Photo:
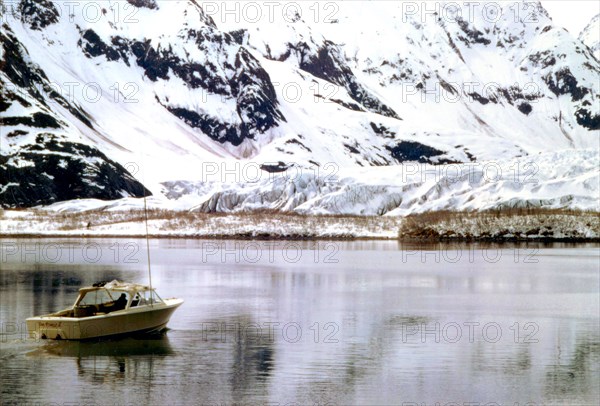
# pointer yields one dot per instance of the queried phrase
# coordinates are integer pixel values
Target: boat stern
(52, 328)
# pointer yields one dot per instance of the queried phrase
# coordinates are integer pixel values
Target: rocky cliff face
(40, 161)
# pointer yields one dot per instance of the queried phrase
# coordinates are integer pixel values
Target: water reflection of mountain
(575, 375)
(234, 361)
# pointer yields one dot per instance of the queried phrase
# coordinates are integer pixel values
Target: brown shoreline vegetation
(255, 225)
(523, 224)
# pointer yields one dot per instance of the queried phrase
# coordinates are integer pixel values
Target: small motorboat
(104, 310)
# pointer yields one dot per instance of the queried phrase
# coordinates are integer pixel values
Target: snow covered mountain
(170, 92)
(44, 159)
(590, 36)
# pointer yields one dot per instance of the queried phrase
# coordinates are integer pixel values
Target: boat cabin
(103, 298)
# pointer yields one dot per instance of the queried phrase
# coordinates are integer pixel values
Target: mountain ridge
(590, 36)
(200, 88)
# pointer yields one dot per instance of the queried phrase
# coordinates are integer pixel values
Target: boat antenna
(146, 224)
(147, 242)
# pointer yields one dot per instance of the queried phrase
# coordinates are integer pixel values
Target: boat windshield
(100, 301)
(145, 298)
(102, 296)
(108, 300)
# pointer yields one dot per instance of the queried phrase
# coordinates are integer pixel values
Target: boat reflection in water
(109, 362)
(157, 344)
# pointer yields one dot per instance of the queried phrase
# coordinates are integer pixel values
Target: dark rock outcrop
(54, 170)
(245, 81)
(328, 64)
(407, 151)
(37, 14)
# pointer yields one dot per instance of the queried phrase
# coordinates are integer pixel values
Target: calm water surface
(327, 323)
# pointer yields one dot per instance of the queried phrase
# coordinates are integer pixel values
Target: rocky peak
(37, 14)
(150, 4)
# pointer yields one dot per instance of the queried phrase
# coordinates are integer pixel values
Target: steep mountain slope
(164, 88)
(41, 160)
(525, 61)
(590, 36)
(525, 85)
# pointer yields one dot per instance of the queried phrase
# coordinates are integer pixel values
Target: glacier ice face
(566, 179)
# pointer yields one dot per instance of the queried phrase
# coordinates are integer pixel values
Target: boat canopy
(118, 286)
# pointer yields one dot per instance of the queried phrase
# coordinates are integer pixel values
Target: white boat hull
(133, 320)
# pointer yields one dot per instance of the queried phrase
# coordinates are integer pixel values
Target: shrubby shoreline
(510, 225)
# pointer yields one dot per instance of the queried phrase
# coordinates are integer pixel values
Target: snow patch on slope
(590, 36)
